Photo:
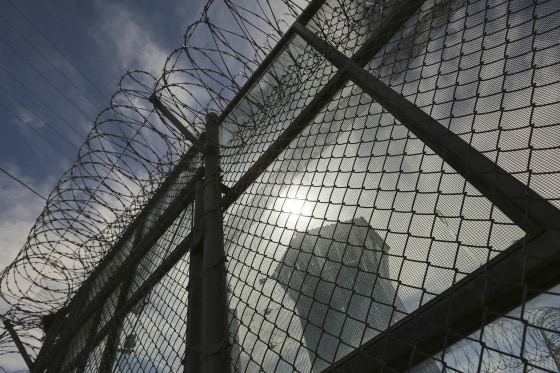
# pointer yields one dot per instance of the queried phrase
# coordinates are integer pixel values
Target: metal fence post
(19, 345)
(214, 300)
(89, 341)
(520, 203)
(194, 310)
(109, 356)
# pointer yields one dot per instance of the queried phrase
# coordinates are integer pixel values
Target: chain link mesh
(350, 243)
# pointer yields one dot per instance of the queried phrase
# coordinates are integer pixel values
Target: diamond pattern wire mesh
(487, 83)
(152, 336)
(94, 358)
(283, 91)
(357, 228)
(392, 183)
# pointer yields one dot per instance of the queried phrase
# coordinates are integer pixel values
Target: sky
(60, 62)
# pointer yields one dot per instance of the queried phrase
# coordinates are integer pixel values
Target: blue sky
(60, 63)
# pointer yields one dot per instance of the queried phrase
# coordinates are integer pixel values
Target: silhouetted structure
(338, 276)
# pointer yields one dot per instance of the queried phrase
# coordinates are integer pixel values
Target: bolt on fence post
(194, 309)
(215, 336)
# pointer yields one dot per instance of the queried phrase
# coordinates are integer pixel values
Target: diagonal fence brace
(158, 105)
(18, 343)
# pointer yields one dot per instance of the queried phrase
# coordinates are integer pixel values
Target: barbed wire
(497, 348)
(129, 152)
(132, 148)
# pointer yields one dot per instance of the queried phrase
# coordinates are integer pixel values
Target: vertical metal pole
(18, 343)
(89, 341)
(214, 302)
(114, 335)
(194, 311)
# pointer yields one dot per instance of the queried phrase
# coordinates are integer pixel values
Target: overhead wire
(57, 89)
(46, 58)
(39, 117)
(127, 155)
(52, 45)
(50, 82)
(23, 183)
(41, 101)
(47, 141)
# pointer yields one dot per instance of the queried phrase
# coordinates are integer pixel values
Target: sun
(293, 205)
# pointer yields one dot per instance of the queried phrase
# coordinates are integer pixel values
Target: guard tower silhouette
(338, 277)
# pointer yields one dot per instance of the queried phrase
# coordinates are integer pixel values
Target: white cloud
(18, 210)
(130, 43)
(27, 119)
(48, 146)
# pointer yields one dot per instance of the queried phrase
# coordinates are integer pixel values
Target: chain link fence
(390, 203)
